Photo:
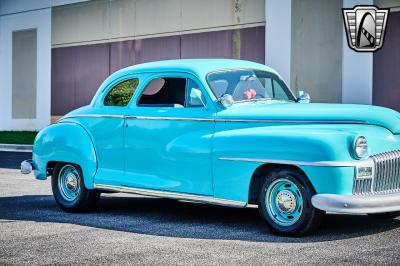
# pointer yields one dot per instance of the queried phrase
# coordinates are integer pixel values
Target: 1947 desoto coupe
(225, 132)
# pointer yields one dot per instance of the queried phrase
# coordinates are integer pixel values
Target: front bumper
(357, 204)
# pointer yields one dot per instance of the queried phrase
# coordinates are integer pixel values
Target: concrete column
(357, 68)
(278, 31)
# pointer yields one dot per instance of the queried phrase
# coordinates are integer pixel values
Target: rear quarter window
(122, 93)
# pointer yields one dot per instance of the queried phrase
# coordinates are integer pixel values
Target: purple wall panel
(252, 46)
(216, 44)
(78, 71)
(62, 80)
(154, 49)
(91, 69)
(122, 54)
(386, 75)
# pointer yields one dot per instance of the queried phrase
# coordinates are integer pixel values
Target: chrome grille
(386, 177)
(362, 186)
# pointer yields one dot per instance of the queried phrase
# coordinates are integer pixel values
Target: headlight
(360, 146)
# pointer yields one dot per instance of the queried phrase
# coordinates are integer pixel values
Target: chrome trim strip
(294, 121)
(171, 118)
(357, 204)
(172, 195)
(93, 115)
(304, 163)
(284, 121)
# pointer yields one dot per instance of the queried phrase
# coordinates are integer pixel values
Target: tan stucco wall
(102, 20)
(316, 54)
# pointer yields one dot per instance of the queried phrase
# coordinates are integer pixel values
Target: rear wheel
(69, 189)
(285, 203)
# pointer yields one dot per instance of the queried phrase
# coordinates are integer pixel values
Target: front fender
(65, 142)
(232, 178)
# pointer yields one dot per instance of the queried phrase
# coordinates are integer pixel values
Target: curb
(16, 147)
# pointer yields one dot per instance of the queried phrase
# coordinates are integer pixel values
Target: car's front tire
(285, 203)
(69, 189)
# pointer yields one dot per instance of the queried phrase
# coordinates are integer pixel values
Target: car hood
(314, 113)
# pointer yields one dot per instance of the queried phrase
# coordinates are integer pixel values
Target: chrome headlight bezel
(360, 147)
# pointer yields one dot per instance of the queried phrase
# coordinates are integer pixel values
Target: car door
(167, 136)
(105, 125)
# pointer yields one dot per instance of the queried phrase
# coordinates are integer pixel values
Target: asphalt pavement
(132, 230)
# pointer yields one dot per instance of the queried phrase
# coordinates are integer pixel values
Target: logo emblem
(365, 27)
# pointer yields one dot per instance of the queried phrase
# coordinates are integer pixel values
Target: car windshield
(249, 85)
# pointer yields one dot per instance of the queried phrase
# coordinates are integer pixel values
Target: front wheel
(69, 189)
(285, 203)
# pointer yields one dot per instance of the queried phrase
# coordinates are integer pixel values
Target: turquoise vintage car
(226, 132)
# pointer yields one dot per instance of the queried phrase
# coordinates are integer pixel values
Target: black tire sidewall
(63, 203)
(305, 222)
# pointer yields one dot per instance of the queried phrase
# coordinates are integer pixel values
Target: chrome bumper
(357, 204)
(26, 167)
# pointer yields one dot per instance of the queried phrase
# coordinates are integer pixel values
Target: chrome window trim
(172, 195)
(303, 163)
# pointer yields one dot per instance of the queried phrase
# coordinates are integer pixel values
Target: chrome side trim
(282, 121)
(93, 115)
(172, 195)
(304, 163)
(171, 118)
(293, 121)
(357, 204)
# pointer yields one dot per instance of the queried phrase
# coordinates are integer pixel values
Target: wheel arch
(261, 171)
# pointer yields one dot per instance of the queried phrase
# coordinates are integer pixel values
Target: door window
(172, 92)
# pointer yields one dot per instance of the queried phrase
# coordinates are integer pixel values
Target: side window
(195, 97)
(122, 93)
(172, 92)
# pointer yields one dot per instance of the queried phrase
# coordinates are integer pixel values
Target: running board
(172, 195)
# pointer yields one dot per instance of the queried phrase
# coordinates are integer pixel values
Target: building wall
(386, 78)
(38, 99)
(316, 49)
(78, 71)
(91, 40)
(357, 68)
(106, 20)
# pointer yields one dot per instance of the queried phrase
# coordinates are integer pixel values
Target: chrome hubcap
(71, 181)
(68, 182)
(286, 201)
(283, 202)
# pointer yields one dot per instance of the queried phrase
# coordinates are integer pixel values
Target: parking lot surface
(135, 230)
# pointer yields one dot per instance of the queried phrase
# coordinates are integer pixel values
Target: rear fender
(65, 142)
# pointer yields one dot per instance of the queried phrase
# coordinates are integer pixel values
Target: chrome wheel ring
(283, 202)
(69, 182)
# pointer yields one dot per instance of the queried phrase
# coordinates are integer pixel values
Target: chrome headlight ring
(360, 147)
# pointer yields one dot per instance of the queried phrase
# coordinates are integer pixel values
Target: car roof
(198, 67)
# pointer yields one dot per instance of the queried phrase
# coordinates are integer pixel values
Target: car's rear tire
(69, 189)
(285, 203)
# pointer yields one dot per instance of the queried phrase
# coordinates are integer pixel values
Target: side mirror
(226, 100)
(196, 97)
(304, 97)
